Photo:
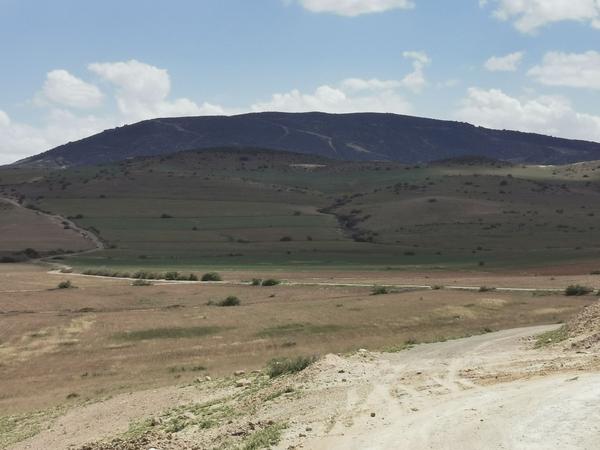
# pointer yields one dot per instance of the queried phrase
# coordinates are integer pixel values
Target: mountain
(359, 136)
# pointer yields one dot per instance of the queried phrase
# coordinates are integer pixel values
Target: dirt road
(430, 398)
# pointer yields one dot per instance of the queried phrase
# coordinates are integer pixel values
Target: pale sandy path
(422, 401)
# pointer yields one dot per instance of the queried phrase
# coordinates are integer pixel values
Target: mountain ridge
(354, 136)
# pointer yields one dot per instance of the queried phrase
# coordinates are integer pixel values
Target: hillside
(252, 207)
(355, 137)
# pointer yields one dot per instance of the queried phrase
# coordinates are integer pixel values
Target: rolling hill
(263, 208)
(354, 137)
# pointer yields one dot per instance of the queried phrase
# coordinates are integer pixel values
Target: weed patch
(281, 366)
(298, 328)
(552, 337)
(166, 333)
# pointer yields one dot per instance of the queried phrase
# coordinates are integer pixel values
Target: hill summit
(355, 137)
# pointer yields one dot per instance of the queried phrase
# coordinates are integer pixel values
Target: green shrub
(256, 281)
(211, 276)
(380, 290)
(65, 285)
(232, 300)
(281, 366)
(486, 289)
(578, 290)
(193, 277)
(264, 438)
(171, 276)
(271, 282)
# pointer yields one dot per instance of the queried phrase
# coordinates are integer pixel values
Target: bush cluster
(578, 290)
(211, 276)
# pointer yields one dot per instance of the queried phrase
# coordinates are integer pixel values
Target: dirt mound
(584, 329)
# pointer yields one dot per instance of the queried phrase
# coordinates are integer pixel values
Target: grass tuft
(265, 438)
(552, 337)
(232, 300)
(380, 290)
(65, 285)
(282, 366)
(298, 328)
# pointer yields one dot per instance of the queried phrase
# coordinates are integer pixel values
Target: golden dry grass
(59, 342)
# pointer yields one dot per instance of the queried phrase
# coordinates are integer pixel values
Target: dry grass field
(104, 336)
(22, 228)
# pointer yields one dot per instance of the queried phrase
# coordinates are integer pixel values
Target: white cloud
(508, 63)
(374, 84)
(352, 8)
(142, 91)
(415, 80)
(530, 15)
(64, 89)
(578, 70)
(544, 114)
(354, 94)
(336, 100)
(4, 119)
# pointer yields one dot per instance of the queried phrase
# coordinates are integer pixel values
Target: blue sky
(71, 68)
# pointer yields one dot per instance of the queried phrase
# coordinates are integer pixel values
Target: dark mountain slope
(360, 136)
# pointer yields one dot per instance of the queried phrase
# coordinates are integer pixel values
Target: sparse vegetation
(410, 343)
(256, 282)
(264, 438)
(578, 290)
(298, 328)
(552, 337)
(65, 285)
(380, 290)
(271, 282)
(283, 366)
(166, 333)
(141, 282)
(232, 300)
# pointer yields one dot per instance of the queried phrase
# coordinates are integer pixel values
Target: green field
(253, 208)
